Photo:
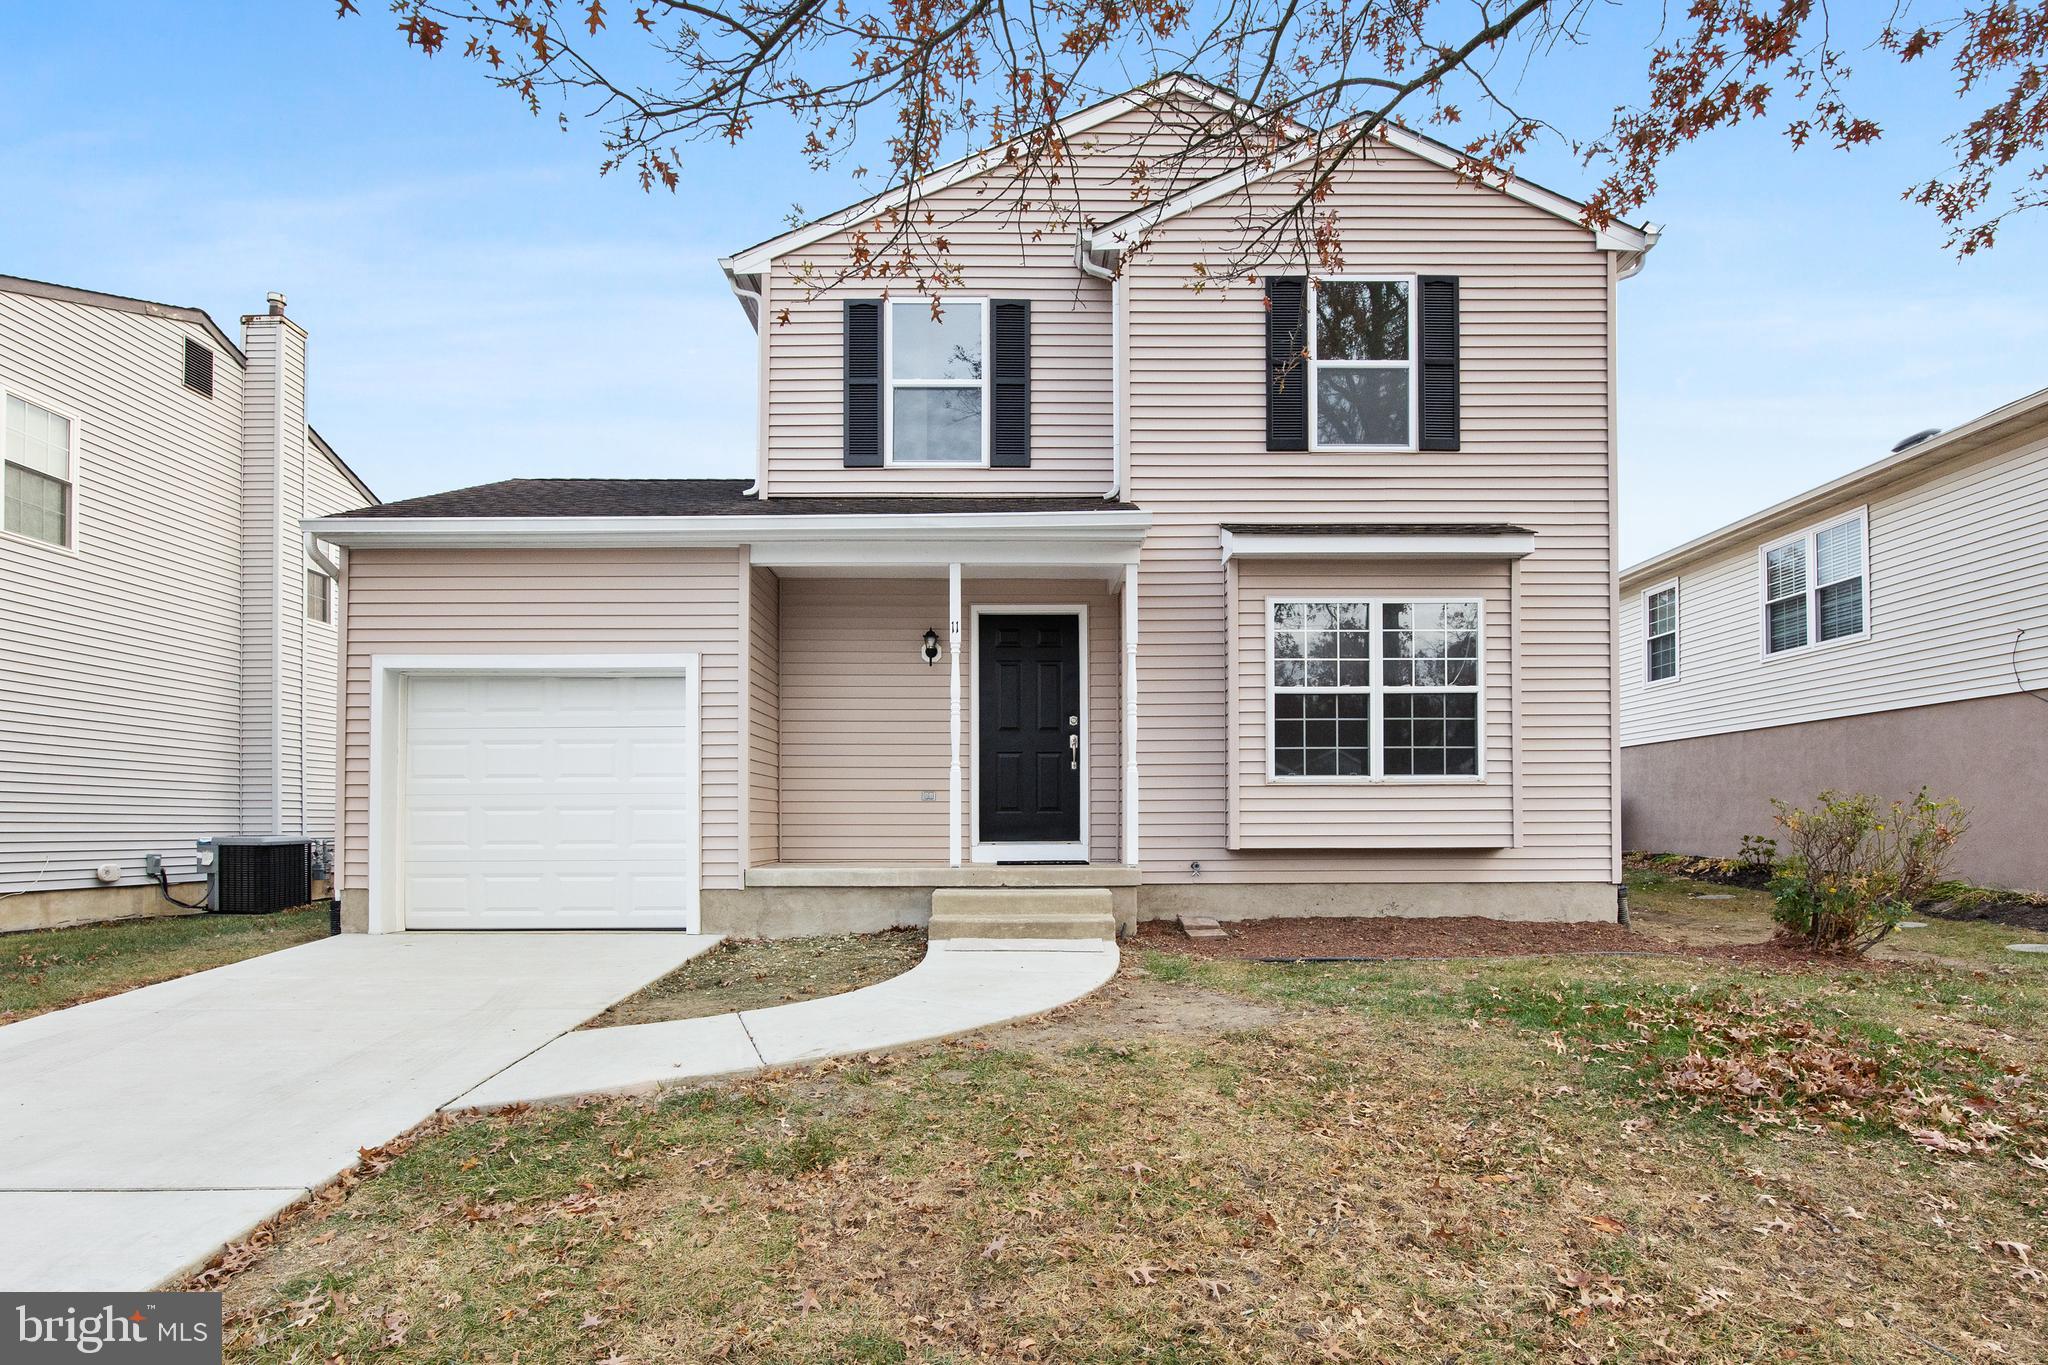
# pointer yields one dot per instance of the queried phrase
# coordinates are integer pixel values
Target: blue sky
(482, 305)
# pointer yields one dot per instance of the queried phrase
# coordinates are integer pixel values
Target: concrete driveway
(140, 1133)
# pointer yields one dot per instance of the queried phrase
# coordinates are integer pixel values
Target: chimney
(274, 473)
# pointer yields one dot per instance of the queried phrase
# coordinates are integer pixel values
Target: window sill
(1479, 781)
(1802, 651)
(17, 538)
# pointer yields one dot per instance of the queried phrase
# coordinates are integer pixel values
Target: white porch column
(953, 812)
(1130, 725)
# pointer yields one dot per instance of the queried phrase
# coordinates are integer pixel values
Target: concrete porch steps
(1039, 912)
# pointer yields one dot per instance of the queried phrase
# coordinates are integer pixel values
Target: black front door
(1028, 737)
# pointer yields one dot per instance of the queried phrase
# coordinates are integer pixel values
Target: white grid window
(1363, 689)
(1362, 359)
(38, 445)
(1814, 587)
(937, 408)
(1660, 619)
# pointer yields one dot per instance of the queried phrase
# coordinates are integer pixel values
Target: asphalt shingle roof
(691, 498)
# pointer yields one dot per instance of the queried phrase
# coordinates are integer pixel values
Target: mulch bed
(2016, 914)
(1455, 936)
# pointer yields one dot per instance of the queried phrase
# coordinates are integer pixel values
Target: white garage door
(539, 801)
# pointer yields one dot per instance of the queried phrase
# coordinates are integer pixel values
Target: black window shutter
(1287, 375)
(1009, 419)
(1439, 405)
(198, 368)
(863, 366)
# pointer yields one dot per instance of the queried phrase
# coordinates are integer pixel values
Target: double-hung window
(1660, 633)
(1362, 689)
(1814, 586)
(937, 408)
(319, 596)
(1362, 358)
(39, 455)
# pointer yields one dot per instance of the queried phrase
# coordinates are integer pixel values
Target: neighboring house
(167, 649)
(1095, 570)
(1882, 633)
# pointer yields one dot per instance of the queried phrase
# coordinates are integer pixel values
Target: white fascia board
(1115, 236)
(871, 531)
(1377, 547)
(757, 258)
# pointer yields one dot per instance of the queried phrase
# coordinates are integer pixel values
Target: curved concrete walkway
(960, 985)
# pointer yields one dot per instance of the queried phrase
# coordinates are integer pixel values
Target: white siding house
(161, 680)
(1884, 632)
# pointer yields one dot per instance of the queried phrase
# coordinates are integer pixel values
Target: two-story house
(1884, 632)
(167, 646)
(1293, 593)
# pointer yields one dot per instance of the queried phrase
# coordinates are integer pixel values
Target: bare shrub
(1855, 865)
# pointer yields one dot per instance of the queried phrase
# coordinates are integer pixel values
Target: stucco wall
(1702, 795)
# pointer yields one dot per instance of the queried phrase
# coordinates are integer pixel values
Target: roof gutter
(991, 527)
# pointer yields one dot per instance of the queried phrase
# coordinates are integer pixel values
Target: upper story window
(936, 409)
(1362, 359)
(1365, 689)
(319, 596)
(40, 449)
(1814, 586)
(1660, 625)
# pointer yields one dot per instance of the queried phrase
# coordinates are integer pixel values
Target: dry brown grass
(1208, 1162)
(752, 974)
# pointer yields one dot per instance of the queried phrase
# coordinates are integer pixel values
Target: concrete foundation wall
(1593, 902)
(1700, 796)
(100, 904)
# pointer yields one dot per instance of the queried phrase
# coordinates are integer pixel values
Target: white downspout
(1089, 266)
(953, 811)
(757, 489)
(1130, 727)
(276, 302)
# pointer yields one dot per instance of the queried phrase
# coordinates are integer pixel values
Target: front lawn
(753, 974)
(47, 969)
(1669, 1157)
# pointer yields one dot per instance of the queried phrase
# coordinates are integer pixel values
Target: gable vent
(198, 368)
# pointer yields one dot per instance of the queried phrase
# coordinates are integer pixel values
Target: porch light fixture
(931, 648)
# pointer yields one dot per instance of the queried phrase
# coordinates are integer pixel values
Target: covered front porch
(921, 716)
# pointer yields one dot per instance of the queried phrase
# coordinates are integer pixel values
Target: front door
(1028, 736)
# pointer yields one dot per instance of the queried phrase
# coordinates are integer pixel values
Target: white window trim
(70, 545)
(327, 595)
(1810, 537)
(1677, 634)
(984, 851)
(1412, 364)
(1376, 689)
(889, 460)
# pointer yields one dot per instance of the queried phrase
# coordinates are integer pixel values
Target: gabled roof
(1123, 232)
(2019, 418)
(755, 258)
(121, 303)
(198, 317)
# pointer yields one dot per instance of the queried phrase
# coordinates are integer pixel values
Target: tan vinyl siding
(1003, 252)
(560, 602)
(764, 708)
(864, 717)
(120, 664)
(1536, 453)
(1955, 569)
(1385, 815)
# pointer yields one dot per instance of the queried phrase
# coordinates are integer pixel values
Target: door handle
(1074, 752)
